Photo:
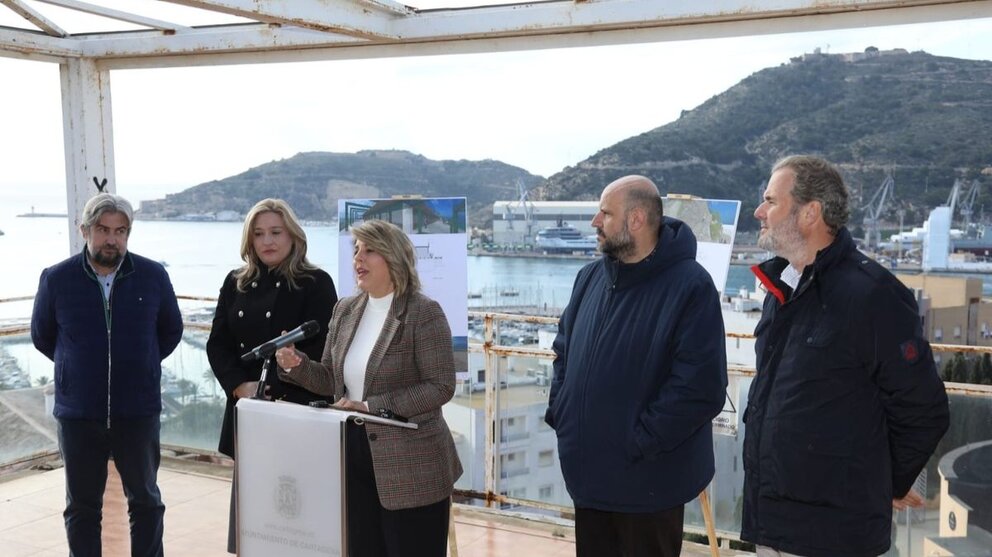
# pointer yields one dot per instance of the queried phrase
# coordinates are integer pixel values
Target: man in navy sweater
(639, 373)
(107, 318)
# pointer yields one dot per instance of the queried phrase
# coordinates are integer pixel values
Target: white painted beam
(87, 129)
(256, 37)
(127, 17)
(35, 17)
(387, 6)
(31, 57)
(339, 16)
(21, 43)
(567, 16)
(539, 25)
(262, 44)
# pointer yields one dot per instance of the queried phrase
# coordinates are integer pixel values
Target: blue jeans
(86, 447)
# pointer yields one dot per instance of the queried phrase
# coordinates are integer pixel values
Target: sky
(539, 110)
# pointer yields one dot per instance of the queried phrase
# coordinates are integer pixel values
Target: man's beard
(108, 260)
(787, 241)
(617, 247)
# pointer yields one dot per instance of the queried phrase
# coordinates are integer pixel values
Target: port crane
(952, 198)
(965, 202)
(968, 203)
(524, 205)
(873, 211)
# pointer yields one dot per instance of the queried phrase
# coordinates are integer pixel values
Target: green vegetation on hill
(926, 119)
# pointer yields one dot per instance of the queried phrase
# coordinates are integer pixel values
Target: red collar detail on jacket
(768, 284)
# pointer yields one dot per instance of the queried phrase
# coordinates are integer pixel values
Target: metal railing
(492, 351)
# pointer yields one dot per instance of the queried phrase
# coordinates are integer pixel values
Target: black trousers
(609, 534)
(374, 531)
(86, 447)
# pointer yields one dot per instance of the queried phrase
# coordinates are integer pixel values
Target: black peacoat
(243, 320)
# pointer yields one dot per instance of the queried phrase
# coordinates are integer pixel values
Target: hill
(312, 183)
(926, 119)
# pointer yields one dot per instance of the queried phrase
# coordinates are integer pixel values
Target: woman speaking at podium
(276, 290)
(388, 351)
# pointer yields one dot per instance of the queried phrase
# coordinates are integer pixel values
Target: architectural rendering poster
(437, 227)
(714, 222)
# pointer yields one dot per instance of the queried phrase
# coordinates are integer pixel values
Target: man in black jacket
(847, 406)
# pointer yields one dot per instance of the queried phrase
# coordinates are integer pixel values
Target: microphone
(269, 348)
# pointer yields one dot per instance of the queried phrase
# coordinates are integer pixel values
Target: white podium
(291, 478)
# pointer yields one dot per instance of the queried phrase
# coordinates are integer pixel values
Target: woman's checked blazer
(411, 372)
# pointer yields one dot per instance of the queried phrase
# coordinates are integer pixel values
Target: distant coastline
(34, 215)
(534, 255)
(208, 217)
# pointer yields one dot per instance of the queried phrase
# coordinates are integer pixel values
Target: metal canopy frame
(273, 31)
(353, 26)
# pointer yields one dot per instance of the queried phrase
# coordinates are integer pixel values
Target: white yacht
(563, 238)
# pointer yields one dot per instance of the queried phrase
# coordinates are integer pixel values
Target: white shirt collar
(791, 276)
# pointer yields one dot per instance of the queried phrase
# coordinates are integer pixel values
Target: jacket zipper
(107, 318)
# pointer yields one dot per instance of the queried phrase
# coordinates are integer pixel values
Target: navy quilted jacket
(77, 328)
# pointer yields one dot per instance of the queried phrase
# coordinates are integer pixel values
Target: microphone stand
(260, 390)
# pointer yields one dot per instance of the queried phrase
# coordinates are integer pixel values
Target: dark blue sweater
(76, 328)
(640, 372)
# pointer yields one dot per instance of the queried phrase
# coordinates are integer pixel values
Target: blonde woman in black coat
(276, 290)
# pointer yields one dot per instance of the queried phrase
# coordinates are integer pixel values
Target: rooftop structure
(222, 32)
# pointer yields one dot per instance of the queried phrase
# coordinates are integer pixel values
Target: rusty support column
(88, 136)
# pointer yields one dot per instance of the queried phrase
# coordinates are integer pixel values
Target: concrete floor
(197, 498)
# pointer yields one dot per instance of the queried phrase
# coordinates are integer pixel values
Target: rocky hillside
(927, 119)
(312, 183)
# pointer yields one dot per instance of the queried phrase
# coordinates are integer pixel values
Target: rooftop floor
(197, 497)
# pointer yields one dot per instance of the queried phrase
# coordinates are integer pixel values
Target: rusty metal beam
(87, 130)
(126, 17)
(19, 43)
(499, 28)
(35, 17)
(387, 6)
(370, 20)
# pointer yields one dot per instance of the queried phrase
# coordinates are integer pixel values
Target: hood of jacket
(676, 243)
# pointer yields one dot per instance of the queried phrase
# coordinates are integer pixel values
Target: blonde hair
(395, 247)
(294, 267)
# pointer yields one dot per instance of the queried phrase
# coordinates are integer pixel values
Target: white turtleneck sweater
(357, 360)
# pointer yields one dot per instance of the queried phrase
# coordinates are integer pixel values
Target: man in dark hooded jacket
(640, 372)
(846, 406)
